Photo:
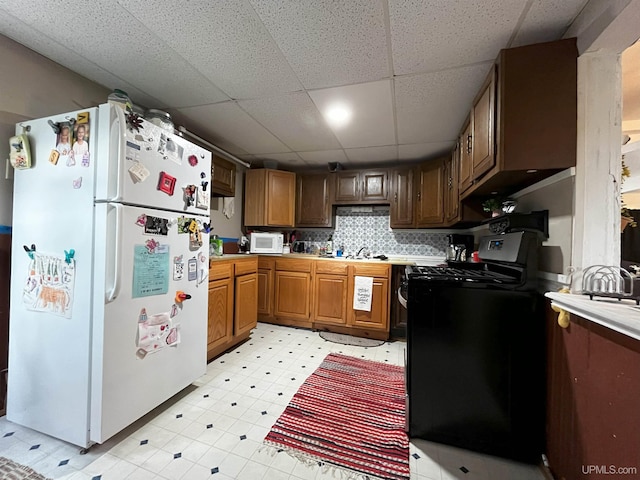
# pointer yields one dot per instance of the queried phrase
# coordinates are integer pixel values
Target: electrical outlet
(8, 170)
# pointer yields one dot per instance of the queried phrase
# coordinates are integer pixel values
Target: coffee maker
(460, 248)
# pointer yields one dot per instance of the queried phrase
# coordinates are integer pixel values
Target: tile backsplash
(355, 230)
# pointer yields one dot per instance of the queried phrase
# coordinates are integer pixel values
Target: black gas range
(508, 260)
(475, 351)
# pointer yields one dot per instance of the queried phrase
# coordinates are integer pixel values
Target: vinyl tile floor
(214, 429)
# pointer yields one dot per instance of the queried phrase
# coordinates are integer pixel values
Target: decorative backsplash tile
(355, 230)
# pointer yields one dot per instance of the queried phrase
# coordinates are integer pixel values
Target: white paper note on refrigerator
(362, 293)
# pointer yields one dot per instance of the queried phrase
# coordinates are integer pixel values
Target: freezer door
(49, 353)
(147, 344)
(148, 166)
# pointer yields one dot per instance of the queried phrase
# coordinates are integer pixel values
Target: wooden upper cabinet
(223, 177)
(313, 200)
(347, 187)
(451, 187)
(375, 185)
(524, 118)
(364, 186)
(465, 171)
(269, 198)
(482, 126)
(402, 195)
(430, 195)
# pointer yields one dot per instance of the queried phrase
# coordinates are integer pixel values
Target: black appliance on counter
(475, 369)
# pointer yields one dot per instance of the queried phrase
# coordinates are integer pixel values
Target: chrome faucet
(366, 254)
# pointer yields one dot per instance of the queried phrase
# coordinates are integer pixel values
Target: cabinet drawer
(330, 266)
(220, 269)
(266, 262)
(244, 266)
(293, 264)
(371, 270)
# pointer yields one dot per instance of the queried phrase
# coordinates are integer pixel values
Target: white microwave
(263, 242)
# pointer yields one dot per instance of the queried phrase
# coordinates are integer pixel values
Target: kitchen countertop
(392, 260)
(623, 316)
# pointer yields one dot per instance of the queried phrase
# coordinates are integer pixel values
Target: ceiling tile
(290, 159)
(294, 119)
(328, 42)
(431, 107)
(226, 40)
(371, 155)
(424, 150)
(323, 157)
(60, 53)
(547, 20)
(107, 35)
(372, 120)
(429, 35)
(226, 123)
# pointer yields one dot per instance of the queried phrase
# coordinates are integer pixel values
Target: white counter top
(623, 316)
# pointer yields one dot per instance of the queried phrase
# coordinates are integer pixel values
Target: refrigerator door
(148, 166)
(49, 353)
(147, 346)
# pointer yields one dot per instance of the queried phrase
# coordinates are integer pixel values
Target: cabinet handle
(418, 196)
(395, 197)
(469, 144)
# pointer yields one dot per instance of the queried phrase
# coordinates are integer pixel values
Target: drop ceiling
(253, 76)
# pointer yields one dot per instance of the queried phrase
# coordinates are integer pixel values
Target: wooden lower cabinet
(233, 303)
(378, 317)
(318, 294)
(220, 330)
(330, 299)
(293, 291)
(246, 306)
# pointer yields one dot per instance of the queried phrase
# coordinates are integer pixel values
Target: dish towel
(362, 292)
(228, 206)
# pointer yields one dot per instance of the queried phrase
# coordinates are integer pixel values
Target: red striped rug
(349, 414)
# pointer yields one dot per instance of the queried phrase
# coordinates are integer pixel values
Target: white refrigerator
(108, 315)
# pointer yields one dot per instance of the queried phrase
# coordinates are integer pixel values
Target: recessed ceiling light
(338, 115)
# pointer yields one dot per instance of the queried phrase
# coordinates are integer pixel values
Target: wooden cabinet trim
(220, 269)
(294, 264)
(244, 266)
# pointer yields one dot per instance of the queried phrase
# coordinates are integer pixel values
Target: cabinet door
(466, 166)
(401, 213)
(223, 177)
(313, 203)
(220, 323)
(292, 298)
(482, 120)
(347, 187)
(378, 317)
(430, 197)
(330, 304)
(452, 200)
(280, 198)
(246, 305)
(265, 292)
(374, 186)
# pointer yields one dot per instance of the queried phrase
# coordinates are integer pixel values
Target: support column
(596, 228)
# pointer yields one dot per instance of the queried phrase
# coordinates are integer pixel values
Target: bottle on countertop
(330, 245)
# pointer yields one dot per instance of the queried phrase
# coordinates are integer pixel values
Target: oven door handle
(401, 299)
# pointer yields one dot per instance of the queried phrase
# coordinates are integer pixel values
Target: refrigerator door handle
(118, 128)
(112, 293)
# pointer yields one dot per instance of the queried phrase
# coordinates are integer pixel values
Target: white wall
(33, 86)
(223, 226)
